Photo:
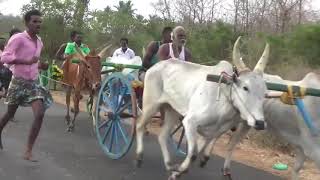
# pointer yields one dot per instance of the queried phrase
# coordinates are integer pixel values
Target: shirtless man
(177, 48)
(151, 57)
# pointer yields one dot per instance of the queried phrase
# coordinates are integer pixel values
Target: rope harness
(51, 79)
(231, 79)
(294, 92)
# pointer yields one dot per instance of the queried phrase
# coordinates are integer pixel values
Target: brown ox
(82, 77)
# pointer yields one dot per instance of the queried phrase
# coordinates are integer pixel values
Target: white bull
(180, 88)
(285, 122)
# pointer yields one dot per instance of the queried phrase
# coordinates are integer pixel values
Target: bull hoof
(173, 168)
(204, 161)
(260, 125)
(139, 160)
(67, 118)
(175, 175)
(138, 163)
(70, 129)
(172, 177)
(147, 132)
(226, 175)
(233, 129)
(193, 158)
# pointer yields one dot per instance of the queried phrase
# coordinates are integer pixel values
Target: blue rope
(306, 116)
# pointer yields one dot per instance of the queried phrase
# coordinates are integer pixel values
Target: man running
(22, 53)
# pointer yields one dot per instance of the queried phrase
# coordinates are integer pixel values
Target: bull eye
(245, 88)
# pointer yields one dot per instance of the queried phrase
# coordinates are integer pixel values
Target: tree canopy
(293, 36)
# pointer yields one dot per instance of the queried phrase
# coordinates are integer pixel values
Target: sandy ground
(246, 152)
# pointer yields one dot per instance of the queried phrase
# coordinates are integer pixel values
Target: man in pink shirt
(22, 55)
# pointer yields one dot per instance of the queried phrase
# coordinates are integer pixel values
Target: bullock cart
(116, 108)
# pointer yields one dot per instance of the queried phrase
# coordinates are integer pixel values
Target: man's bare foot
(13, 120)
(147, 132)
(2, 92)
(28, 156)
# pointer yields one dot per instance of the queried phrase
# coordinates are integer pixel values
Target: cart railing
(117, 67)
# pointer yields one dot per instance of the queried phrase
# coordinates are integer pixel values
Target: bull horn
(236, 56)
(103, 53)
(260, 66)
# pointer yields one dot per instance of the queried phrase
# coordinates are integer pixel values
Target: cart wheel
(178, 140)
(115, 115)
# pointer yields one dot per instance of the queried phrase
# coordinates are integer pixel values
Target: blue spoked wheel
(178, 140)
(115, 115)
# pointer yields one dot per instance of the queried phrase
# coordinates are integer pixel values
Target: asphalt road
(77, 156)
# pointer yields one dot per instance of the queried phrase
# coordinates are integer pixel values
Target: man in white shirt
(124, 51)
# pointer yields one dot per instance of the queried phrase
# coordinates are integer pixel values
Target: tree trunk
(247, 16)
(300, 12)
(236, 4)
(167, 9)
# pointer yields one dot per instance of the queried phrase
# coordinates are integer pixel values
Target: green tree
(53, 8)
(304, 42)
(9, 22)
(79, 13)
(125, 8)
